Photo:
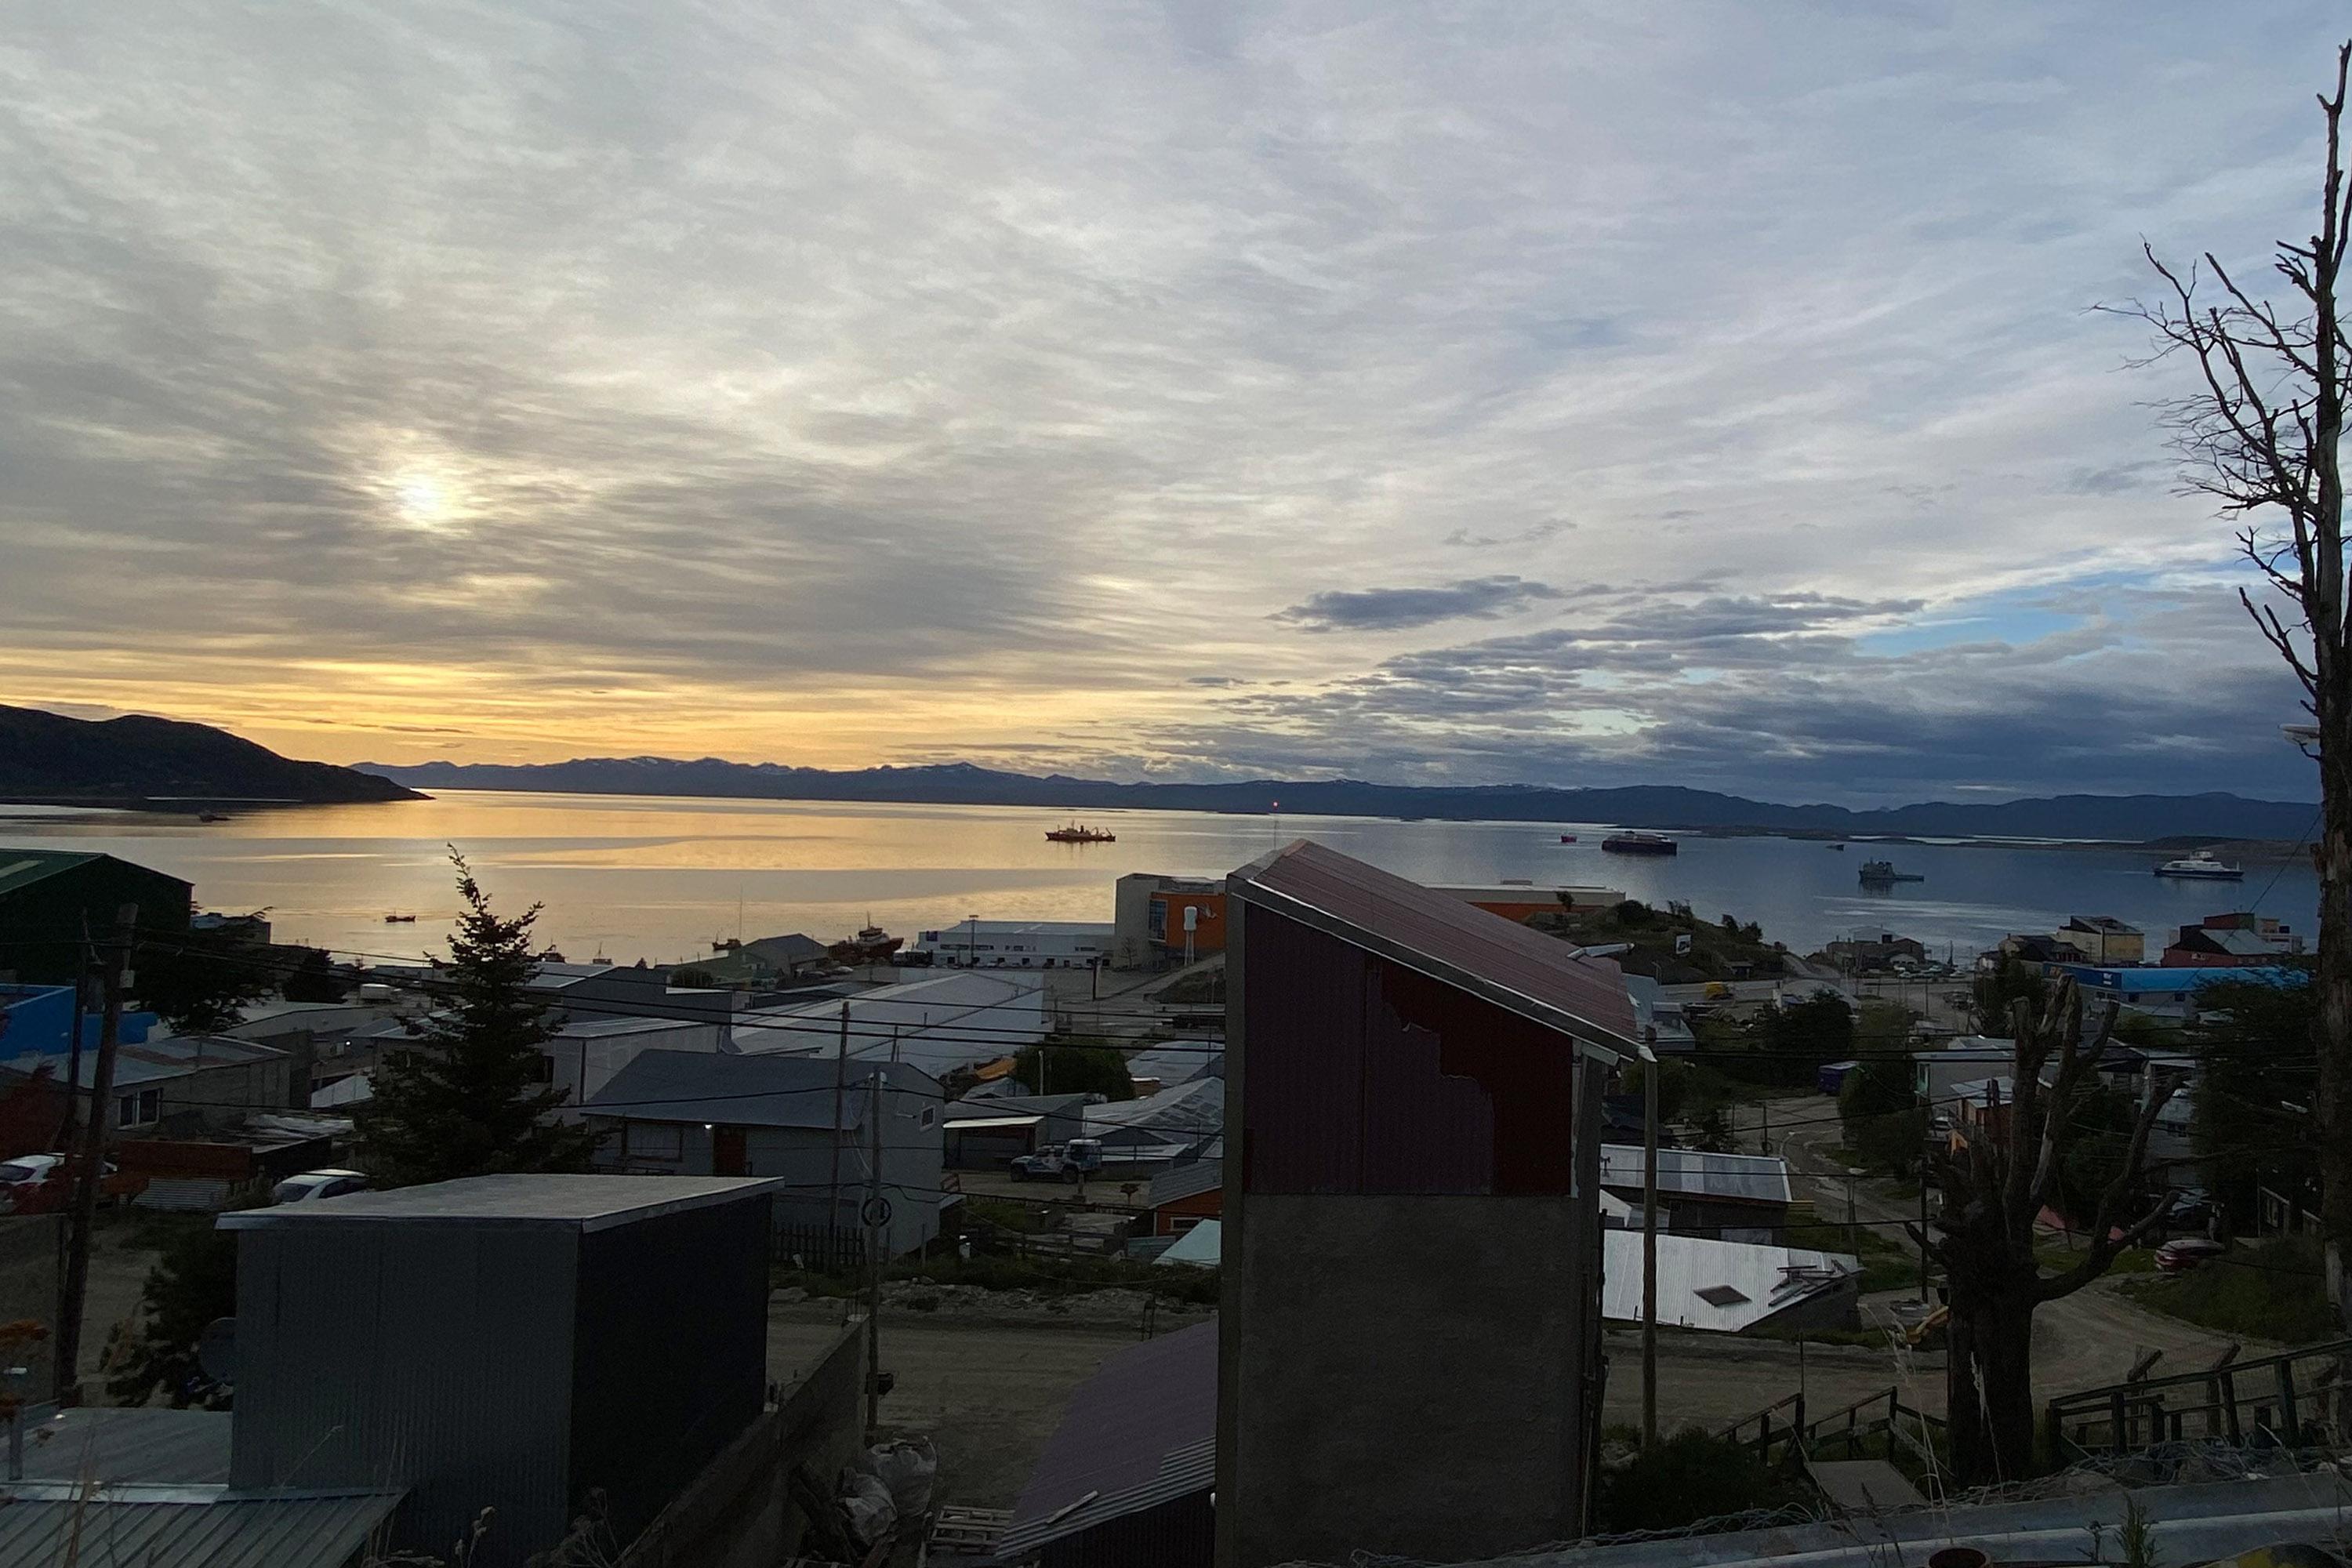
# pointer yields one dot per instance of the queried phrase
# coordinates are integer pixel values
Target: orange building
(1150, 915)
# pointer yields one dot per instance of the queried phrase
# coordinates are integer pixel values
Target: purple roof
(1148, 1402)
(1446, 938)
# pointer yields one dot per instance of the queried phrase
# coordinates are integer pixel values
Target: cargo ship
(1077, 833)
(1882, 874)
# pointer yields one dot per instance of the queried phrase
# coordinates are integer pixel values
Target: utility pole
(876, 1211)
(115, 958)
(1923, 1226)
(1649, 1247)
(832, 1182)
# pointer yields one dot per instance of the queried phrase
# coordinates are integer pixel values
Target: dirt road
(2081, 1341)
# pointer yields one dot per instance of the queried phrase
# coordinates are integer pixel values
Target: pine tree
(469, 1098)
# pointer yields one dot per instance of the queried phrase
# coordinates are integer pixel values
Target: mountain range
(137, 760)
(2127, 818)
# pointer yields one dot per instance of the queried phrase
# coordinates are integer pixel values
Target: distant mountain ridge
(50, 756)
(2127, 818)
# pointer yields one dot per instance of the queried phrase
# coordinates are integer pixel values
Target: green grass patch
(1887, 1264)
(2057, 1256)
(2272, 1291)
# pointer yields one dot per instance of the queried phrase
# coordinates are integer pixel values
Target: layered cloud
(1502, 392)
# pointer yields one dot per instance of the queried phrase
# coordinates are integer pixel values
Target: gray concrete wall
(738, 1513)
(1403, 1377)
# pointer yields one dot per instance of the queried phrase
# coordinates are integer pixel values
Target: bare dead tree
(2260, 435)
(1996, 1180)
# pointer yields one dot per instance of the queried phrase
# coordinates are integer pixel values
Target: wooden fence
(2296, 1399)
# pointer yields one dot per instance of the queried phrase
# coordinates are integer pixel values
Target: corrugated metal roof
(1142, 1431)
(957, 1019)
(1203, 1247)
(230, 1530)
(743, 1092)
(1456, 943)
(1745, 1283)
(1172, 1065)
(23, 867)
(1694, 1173)
(170, 1447)
(163, 1056)
(1186, 1181)
(977, 1105)
(1195, 1107)
(591, 1203)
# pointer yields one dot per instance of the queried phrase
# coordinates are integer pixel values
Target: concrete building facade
(1411, 1306)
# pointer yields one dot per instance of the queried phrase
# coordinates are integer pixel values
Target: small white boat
(2203, 865)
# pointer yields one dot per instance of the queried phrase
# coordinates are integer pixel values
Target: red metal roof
(1446, 938)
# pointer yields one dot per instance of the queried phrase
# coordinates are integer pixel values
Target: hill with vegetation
(137, 760)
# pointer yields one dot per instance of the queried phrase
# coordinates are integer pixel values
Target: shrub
(1691, 1475)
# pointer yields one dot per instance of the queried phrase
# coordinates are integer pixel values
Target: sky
(1549, 393)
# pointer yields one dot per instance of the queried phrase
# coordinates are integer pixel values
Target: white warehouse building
(1019, 944)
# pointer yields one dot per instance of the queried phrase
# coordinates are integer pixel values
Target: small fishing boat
(872, 944)
(1839, 848)
(397, 919)
(212, 816)
(1568, 838)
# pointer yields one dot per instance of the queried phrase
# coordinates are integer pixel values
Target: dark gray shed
(515, 1342)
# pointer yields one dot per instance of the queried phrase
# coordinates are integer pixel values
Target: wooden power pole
(114, 960)
(1649, 1247)
(833, 1182)
(877, 1212)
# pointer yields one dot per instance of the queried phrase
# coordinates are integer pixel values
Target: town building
(1154, 1130)
(1663, 1025)
(807, 1122)
(937, 1023)
(989, 1133)
(1728, 1197)
(1155, 1068)
(180, 1085)
(1186, 1194)
(37, 1020)
(52, 900)
(587, 1051)
(2232, 941)
(1159, 919)
(2168, 992)
(1410, 1227)
(1523, 901)
(1730, 1287)
(1934, 1073)
(1874, 954)
(1016, 944)
(2102, 939)
(518, 1343)
(1125, 1481)
(2033, 951)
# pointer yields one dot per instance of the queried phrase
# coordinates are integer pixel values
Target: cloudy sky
(1551, 392)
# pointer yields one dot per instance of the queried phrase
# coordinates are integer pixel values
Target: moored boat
(1882, 873)
(1079, 833)
(1638, 843)
(2203, 864)
(872, 944)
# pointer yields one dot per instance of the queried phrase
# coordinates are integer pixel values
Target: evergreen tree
(470, 1097)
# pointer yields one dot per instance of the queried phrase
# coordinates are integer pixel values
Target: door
(728, 1156)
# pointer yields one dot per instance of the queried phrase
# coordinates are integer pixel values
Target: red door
(727, 1152)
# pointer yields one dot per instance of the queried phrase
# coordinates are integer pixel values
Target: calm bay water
(660, 877)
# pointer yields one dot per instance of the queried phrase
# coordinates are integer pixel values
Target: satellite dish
(216, 1350)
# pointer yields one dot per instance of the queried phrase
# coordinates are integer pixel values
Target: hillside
(2126, 818)
(47, 756)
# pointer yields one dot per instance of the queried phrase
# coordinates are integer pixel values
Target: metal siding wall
(1365, 1078)
(670, 1352)
(433, 1356)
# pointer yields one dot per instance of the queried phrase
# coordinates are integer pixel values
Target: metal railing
(2295, 1399)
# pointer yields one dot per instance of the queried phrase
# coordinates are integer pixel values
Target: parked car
(1060, 1162)
(313, 1185)
(39, 1184)
(2178, 1256)
(2190, 1206)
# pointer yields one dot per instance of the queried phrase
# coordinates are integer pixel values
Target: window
(544, 1070)
(652, 1140)
(137, 1109)
(929, 1116)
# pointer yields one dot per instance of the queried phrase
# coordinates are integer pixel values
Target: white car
(313, 1185)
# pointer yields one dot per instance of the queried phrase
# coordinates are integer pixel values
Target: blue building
(2165, 992)
(40, 1019)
